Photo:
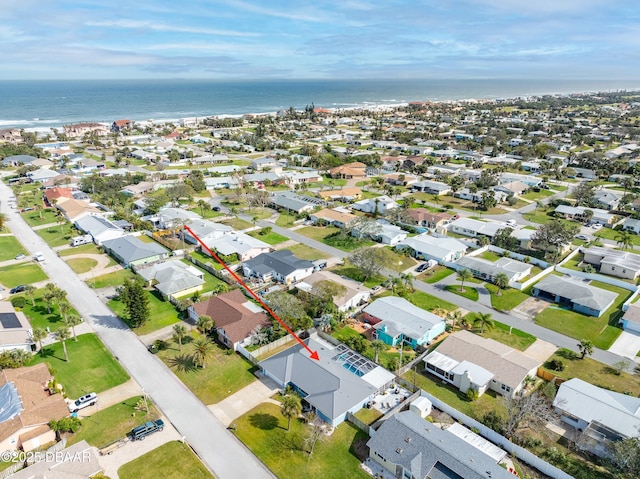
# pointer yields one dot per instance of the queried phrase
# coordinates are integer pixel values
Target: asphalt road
(218, 448)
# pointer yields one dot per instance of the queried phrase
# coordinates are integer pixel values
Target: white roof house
(100, 228)
(473, 228)
(602, 414)
(439, 249)
(245, 246)
(381, 203)
(355, 294)
(483, 269)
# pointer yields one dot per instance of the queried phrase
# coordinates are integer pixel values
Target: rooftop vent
(407, 439)
(399, 450)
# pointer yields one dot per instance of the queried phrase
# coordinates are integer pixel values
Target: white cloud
(161, 27)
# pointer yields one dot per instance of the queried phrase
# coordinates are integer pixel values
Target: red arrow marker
(312, 354)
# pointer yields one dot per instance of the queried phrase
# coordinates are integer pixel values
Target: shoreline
(46, 126)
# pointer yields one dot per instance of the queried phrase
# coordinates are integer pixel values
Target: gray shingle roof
(400, 316)
(577, 291)
(428, 451)
(283, 262)
(130, 248)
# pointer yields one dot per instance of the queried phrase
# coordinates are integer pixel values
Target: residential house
(408, 446)
(431, 187)
(336, 217)
(138, 190)
(469, 361)
(206, 230)
(349, 171)
(281, 265)
(380, 204)
(80, 129)
(121, 125)
(577, 213)
(413, 161)
(424, 217)
(27, 408)
(612, 262)
(488, 270)
(42, 175)
(10, 135)
(396, 321)
(606, 199)
(236, 318)
(474, 228)
(385, 233)
(15, 329)
(18, 160)
(297, 177)
(55, 195)
(631, 224)
(73, 210)
(529, 180)
(131, 252)
(265, 163)
(173, 279)
(429, 247)
(340, 382)
(347, 194)
(603, 416)
(169, 218)
(294, 202)
(630, 321)
(515, 188)
(476, 197)
(100, 228)
(217, 182)
(238, 243)
(575, 292)
(355, 293)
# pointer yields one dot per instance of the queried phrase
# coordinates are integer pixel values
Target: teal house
(395, 321)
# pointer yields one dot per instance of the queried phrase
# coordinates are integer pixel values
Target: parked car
(597, 226)
(83, 402)
(582, 237)
(216, 208)
(39, 257)
(511, 223)
(18, 289)
(422, 267)
(21, 256)
(140, 432)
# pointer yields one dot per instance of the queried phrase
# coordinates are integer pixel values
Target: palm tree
(484, 320)
(464, 275)
(30, 290)
(378, 346)
(205, 323)
(586, 348)
(179, 332)
(455, 317)
(202, 204)
(49, 295)
(38, 208)
(202, 351)
(3, 220)
(624, 239)
(39, 335)
(63, 334)
(72, 321)
(291, 407)
(407, 278)
(64, 306)
(501, 280)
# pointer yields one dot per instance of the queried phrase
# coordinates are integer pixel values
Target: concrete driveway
(244, 400)
(627, 345)
(540, 350)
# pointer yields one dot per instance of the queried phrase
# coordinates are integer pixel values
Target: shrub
(472, 394)
(18, 302)
(587, 268)
(160, 344)
(555, 365)
(265, 231)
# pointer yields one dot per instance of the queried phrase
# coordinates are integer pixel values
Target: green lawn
(37, 312)
(509, 298)
(318, 233)
(16, 274)
(467, 291)
(490, 256)
(398, 262)
(539, 215)
(116, 278)
(224, 375)
(10, 247)
(271, 238)
(161, 313)
(574, 262)
(303, 251)
(538, 195)
(82, 249)
(504, 334)
(437, 273)
(610, 234)
(173, 460)
(211, 283)
(453, 397)
(82, 265)
(113, 423)
(595, 373)
(347, 242)
(34, 218)
(385, 358)
(90, 368)
(237, 224)
(264, 431)
(429, 302)
(58, 235)
(603, 331)
(285, 220)
(354, 273)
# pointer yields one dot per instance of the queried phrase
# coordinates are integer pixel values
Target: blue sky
(244, 39)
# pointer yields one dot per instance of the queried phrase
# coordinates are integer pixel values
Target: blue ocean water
(53, 103)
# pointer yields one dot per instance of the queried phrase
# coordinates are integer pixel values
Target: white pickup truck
(39, 257)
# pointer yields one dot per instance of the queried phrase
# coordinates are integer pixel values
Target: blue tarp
(10, 404)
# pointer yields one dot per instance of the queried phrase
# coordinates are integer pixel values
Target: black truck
(138, 433)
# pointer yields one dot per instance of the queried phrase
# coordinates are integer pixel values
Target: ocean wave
(33, 121)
